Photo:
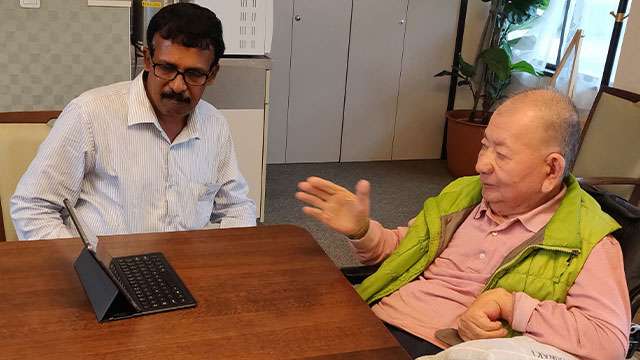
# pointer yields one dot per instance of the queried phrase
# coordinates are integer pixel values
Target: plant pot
(463, 142)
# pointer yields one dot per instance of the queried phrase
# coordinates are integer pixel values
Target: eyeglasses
(169, 72)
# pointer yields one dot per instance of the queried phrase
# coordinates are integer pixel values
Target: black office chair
(626, 214)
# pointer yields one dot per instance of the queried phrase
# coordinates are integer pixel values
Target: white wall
(627, 76)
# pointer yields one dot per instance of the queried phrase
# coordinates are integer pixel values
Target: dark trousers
(414, 345)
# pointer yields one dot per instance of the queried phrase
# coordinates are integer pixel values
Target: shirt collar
(534, 219)
(140, 108)
(141, 112)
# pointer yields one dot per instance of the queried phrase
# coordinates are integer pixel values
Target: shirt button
(494, 233)
(482, 256)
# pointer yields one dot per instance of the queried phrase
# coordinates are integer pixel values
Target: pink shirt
(592, 324)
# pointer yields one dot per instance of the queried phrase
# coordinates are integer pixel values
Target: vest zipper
(525, 252)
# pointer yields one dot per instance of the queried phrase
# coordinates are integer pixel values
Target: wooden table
(263, 293)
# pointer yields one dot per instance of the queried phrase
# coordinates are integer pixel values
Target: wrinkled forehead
(518, 124)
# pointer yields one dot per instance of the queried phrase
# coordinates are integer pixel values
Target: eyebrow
(187, 69)
(498, 144)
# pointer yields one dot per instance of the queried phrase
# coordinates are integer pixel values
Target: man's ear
(147, 59)
(555, 171)
(212, 74)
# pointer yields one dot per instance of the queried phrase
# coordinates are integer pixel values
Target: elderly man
(519, 249)
(144, 155)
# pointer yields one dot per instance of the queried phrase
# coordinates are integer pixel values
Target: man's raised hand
(335, 206)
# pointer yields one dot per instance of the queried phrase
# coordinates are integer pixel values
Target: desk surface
(268, 292)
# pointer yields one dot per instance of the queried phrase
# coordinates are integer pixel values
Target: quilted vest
(544, 266)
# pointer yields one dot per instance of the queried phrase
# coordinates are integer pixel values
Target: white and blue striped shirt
(109, 156)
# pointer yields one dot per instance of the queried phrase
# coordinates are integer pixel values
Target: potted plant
(487, 79)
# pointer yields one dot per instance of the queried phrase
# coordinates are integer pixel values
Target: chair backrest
(20, 136)
(628, 216)
(608, 146)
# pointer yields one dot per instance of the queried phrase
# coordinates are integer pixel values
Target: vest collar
(563, 230)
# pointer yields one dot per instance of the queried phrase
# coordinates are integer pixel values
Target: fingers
(314, 213)
(470, 331)
(310, 199)
(363, 190)
(310, 188)
(325, 185)
(477, 327)
(476, 334)
(484, 323)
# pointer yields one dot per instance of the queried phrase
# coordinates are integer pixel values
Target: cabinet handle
(402, 21)
(297, 17)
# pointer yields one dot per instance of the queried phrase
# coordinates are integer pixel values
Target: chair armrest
(604, 180)
(357, 274)
(28, 116)
(634, 340)
(608, 180)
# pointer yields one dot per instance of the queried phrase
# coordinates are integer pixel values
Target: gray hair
(563, 124)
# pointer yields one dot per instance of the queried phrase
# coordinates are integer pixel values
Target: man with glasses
(145, 155)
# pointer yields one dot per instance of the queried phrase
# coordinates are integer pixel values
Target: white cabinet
(375, 61)
(394, 107)
(247, 24)
(319, 48)
(422, 99)
(240, 91)
(248, 130)
(360, 81)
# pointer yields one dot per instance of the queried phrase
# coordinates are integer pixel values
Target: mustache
(171, 95)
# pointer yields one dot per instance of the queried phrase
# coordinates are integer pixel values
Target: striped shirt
(108, 154)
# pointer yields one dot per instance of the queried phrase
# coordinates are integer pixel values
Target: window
(544, 41)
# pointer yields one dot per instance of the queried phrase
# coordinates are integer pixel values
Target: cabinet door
(247, 129)
(375, 60)
(279, 88)
(319, 50)
(429, 43)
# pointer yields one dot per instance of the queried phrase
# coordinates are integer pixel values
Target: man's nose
(483, 164)
(178, 85)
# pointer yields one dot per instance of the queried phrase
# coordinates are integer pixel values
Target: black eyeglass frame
(178, 72)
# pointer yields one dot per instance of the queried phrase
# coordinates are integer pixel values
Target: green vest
(545, 266)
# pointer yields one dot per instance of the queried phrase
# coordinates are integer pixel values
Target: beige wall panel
(429, 44)
(375, 58)
(319, 50)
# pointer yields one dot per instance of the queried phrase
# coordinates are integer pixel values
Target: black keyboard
(151, 282)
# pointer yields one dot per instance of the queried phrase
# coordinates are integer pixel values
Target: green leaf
(443, 73)
(515, 41)
(495, 91)
(544, 4)
(523, 66)
(498, 61)
(466, 69)
(520, 11)
(507, 48)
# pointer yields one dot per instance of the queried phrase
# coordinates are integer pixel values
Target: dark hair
(189, 25)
